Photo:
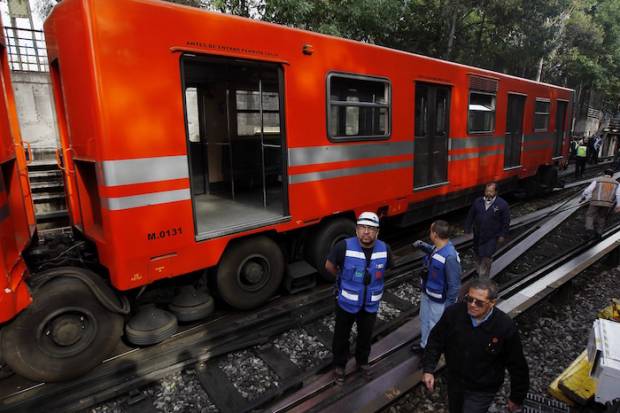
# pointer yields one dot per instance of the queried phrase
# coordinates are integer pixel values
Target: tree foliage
(575, 43)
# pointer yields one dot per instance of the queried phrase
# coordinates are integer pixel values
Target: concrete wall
(35, 108)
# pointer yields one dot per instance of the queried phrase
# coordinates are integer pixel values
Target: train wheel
(325, 237)
(62, 335)
(250, 272)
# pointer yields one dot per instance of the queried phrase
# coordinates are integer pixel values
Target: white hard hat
(368, 218)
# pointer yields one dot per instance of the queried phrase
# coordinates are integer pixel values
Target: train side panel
(16, 210)
(123, 75)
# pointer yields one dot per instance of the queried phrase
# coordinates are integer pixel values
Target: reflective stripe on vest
(353, 294)
(582, 151)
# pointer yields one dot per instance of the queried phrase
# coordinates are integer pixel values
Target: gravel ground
(407, 291)
(304, 350)
(179, 392)
(387, 312)
(554, 333)
(248, 373)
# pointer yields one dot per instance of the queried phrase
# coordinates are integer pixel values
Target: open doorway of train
(236, 146)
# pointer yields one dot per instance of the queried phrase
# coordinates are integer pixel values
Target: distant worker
(603, 193)
(580, 159)
(359, 264)
(441, 280)
(590, 145)
(479, 342)
(596, 146)
(573, 149)
(489, 218)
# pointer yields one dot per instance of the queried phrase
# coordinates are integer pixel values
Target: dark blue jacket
(488, 225)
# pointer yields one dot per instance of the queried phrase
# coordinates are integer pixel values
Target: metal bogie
(65, 333)
(250, 272)
(323, 237)
(191, 304)
(150, 325)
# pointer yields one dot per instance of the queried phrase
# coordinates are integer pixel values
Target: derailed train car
(16, 210)
(201, 143)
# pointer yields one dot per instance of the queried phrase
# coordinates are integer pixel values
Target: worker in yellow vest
(603, 194)
(580, 158)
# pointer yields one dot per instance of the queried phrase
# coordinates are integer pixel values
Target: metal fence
(26, 49)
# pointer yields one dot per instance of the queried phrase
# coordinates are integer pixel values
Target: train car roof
(184, 8)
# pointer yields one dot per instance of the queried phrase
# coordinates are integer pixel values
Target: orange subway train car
(198, 145)
(16, 210)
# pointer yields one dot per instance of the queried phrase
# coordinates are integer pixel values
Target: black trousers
(464, 401)
(342, 331)
(580, 166)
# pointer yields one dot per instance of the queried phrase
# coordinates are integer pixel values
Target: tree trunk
(452, 33)
(540, 68)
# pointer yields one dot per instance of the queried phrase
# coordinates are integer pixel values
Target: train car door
(432, 124)
(236, 145)
(560, 127)
(514, 131)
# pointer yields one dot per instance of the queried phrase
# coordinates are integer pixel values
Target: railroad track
(397, 370)
(204, 346)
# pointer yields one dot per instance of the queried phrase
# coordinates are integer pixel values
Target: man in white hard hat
(359, 264)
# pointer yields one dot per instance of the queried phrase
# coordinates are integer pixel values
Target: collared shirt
(487, 204)
(476, 322)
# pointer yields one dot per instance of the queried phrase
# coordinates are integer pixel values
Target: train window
(249, 112)
(541, 116)
(358, 108)
(481, 112)
(191, 100)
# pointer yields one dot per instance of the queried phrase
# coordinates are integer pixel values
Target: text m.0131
(164, 233)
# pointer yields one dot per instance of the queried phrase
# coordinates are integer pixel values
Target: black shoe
(417, 348)
(339, 375)
(365, 370)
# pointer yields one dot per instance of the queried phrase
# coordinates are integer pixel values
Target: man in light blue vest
(440, 282)
(359, 264)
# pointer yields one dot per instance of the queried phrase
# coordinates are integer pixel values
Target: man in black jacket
(479, 342)
(489, 218)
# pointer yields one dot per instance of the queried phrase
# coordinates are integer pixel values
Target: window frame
(548, 113)
(328, 104)
(481, 92)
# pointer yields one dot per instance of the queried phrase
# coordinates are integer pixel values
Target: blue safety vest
(353, 294)
(435, 285)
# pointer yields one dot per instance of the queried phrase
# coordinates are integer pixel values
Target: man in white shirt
(603, 194)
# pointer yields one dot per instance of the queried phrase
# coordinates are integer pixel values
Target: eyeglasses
(478, 303)
(367, 228)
